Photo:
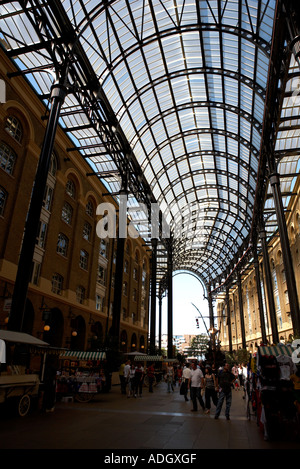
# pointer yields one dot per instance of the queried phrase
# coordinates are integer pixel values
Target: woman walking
(210, 389)
(170, 377)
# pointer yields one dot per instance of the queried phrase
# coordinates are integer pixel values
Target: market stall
(82, 375)
(274, 368)
(147, 360)
(20, 375)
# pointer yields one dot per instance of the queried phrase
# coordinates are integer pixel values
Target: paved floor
(155, 421)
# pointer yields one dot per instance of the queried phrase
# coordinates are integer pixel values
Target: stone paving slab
(155, 421)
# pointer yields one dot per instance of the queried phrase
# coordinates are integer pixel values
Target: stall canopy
(276, 350)
(78, 355)
(21, 338)
(149, 358)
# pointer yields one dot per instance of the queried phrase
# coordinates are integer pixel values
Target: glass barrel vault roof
(186, 81)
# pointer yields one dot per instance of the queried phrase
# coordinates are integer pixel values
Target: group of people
(206, 384)
(131, 379)
(216, 384)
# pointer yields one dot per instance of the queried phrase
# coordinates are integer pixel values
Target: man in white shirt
(186, 374)
(196, 384)
(127, 373)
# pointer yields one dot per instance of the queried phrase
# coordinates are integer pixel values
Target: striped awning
(79, 355)
(276, 350)
(148, 358)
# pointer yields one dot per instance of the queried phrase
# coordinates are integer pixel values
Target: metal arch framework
(166, 100)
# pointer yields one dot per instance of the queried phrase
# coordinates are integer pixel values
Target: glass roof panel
(186, 85)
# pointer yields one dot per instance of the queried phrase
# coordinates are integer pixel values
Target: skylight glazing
(187, 84)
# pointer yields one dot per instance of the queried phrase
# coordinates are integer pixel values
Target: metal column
(170, 303)
(159, 321)
(58, 93)
(153, 295)
(239, 282)
(118, 293)
(259, 296)
(271, 302)
(228, 319)
(286, 253)
(210, 307)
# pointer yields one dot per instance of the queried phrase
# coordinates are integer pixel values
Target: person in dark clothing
(210, 384)
(151, 375)
(139, 379)
(50, 385)
(225, 381)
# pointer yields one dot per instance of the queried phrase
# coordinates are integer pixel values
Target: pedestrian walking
(179, 374)
(150, 373)
(131, 382)
(139, 379)
(196, 383)
(186, 374)
(49, 397)
(241, 381)
(225, 381)
(122, 378)
(210, 389)
(170, 377)
(126, 375)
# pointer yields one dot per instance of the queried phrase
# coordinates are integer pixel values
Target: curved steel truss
(166, 100)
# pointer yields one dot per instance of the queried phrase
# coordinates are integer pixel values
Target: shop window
(7, 158)
(3, 199)
(14, 128)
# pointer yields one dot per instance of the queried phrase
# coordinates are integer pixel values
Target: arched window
(14, 128)
(7, 158)
(62, 245)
